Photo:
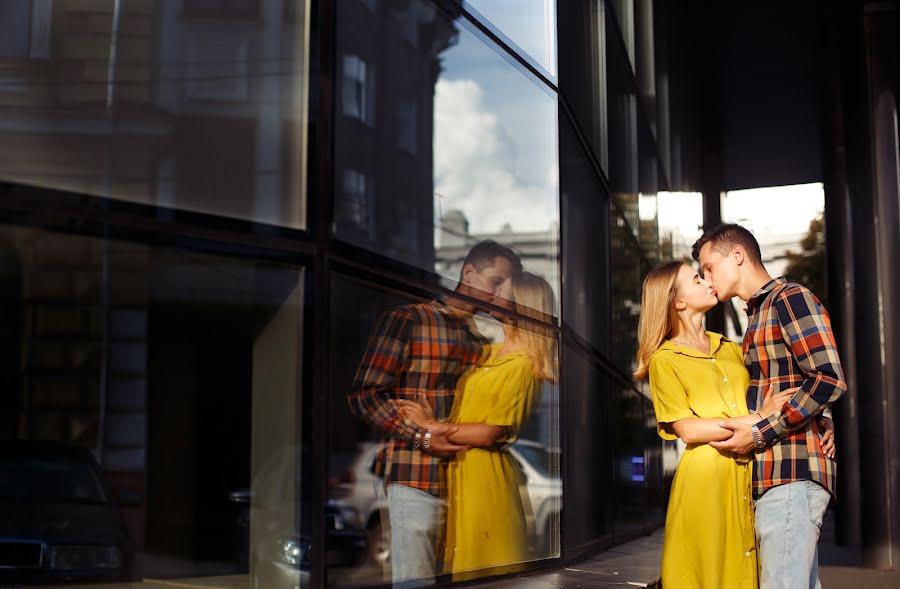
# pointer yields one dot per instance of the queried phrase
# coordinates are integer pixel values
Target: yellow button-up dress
(709, 542)
(486, 524)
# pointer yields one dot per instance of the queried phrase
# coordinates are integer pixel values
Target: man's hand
(741, 440)
(419, 410)
(441, 446)
(775, 401)
(826, 438)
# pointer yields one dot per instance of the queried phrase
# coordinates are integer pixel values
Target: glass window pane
(153, 390)
(15, 22)
(530, 24)
(448, 145)
(587, 401)
(582, 77)
(474, 373)
(626, 267)
(585, 267)
(624, 14)
(151, 105)
(631, 437)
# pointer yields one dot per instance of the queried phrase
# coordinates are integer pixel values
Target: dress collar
(715, 343)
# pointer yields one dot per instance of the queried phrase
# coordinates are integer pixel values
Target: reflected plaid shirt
(789, 343)
(414, 349)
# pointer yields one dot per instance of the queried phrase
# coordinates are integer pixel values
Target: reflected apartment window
(358, 90)
(405, 116)
(408, 24)
(358, 203)
(25, 28)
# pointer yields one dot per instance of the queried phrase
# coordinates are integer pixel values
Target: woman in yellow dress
(697, 378)
(486, 524)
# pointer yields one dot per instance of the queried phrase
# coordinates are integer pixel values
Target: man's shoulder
(412, 309)
(793, 294)
(427, 312)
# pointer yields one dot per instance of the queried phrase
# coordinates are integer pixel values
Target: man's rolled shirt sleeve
(378, 374)
(806, 329)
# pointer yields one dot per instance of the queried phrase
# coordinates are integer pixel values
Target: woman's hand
(826, 437)
(774, 402)
(419, 410)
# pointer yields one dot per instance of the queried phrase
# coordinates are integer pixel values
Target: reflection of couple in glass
(757, 445)
(450, 403)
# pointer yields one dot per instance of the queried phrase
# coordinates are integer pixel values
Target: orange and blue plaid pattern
(789, 343)
(422, 348)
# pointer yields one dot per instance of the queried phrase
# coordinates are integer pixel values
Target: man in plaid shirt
(418, 351)
(789, 343)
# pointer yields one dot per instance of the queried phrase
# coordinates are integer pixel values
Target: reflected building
(388, 62)
(537, 249)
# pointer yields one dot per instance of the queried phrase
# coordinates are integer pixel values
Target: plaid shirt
(414, 349)
(789, 343)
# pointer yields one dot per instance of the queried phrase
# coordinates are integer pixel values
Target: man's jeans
(788, 522)
(417, 521)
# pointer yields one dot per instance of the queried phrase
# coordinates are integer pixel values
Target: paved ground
(635, 564)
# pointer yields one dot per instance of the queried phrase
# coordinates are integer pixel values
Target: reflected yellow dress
(709, 542)
(485, 511)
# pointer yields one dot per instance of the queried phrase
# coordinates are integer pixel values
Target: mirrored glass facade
(323, 293)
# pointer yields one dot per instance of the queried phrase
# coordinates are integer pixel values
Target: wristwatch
(758, 441)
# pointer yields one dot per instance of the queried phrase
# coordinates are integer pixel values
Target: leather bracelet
(426, 440)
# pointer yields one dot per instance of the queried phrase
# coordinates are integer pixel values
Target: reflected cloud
(475, 159)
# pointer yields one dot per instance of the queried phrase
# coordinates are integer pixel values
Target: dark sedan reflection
(56, 520)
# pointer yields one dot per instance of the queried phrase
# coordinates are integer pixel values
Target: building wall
(207, 205)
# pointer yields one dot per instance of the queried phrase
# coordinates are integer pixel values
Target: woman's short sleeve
(515, 399)
(670, 400)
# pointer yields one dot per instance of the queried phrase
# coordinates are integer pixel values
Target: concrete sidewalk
(637, 564)
(858, 578)
(634, 564)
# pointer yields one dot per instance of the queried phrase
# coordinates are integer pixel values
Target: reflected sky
(495, 142)
(530, 24)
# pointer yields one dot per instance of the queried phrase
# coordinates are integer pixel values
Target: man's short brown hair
(726, 236)
(485, 252)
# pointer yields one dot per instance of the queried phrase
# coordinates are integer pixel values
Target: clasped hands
(422, 414)
(741, 440)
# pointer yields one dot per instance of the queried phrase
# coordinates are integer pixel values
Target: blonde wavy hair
(658, 316)
(533, 297)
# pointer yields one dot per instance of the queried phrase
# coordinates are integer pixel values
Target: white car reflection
(363, 494)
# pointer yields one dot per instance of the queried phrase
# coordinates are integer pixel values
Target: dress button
(734, 405)
(726, 379)
(712, 359)
(746, 554)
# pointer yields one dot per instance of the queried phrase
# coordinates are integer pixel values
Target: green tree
(808, 266)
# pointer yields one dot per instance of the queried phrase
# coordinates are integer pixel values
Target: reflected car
(544, 492)
(57, 522)
(362, 494)
(277, 550)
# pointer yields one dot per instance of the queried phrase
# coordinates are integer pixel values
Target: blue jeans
(788, 522)
(417, 521)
